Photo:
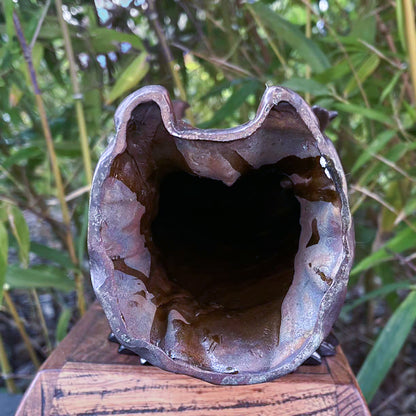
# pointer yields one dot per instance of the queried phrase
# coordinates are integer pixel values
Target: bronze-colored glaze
(222, 254)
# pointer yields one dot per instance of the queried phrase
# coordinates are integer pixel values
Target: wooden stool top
(86, 376)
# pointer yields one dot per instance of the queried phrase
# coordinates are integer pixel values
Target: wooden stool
(86, 376)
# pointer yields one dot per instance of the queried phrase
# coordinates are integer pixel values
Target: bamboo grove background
(65, 67)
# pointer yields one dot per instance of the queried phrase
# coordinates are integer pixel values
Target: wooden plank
(38, 397)
(86, 376)
(350, 400)
(88, 390)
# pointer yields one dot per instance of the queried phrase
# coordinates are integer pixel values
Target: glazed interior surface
(210, 236)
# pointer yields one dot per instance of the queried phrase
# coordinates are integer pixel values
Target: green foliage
(237, 98)
(304, 85)
(58, 257)
(363, 72)
(62, 326)
(106, 40)
(4, 246)
(377, 293)
(387, 347)
(224, 53)
(368, 113)
(378, 144)
(20, 231)
(129, 78)
(404, 240)
(306, 48)
(38, 277)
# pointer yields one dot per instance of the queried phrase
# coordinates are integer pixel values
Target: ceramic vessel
(221, 254)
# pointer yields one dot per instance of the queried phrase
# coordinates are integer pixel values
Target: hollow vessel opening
(229, 246)
(202, 268)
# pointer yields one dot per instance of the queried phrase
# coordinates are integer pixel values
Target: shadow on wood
(86, 376)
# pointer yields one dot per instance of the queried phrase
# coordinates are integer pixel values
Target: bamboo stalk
(172, 64)
(21, 328)
(308, 34)
(343, 50)
(27, 53)
(40, 23)
(82, 127)
(410, 30)
(269, 39)
(394, 61)
(42, 320)
(6, 369)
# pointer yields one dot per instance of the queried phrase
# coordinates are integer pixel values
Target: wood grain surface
(86, 376)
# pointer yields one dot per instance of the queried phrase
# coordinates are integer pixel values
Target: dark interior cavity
(231, 247)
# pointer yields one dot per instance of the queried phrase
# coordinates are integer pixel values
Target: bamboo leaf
(4, 248)
(62, 326)
(400, 26)
(63, 149)
(376, 145)
(218, 88)
(410, 110)
(130, 77)
(82, 240)
(20, 231)
(304, 85)
(365, 112)
(53, 64)
(390, 86)
(51, 30)
(404, 240)
(393, 155)
(234, 102)
(290, 33)
(37, 55)
(363, 72)
(338, 70)
(408, 209)
(105, 40)
(22, 155)
(56, 256)
(364, 27)
(8, 7)
(38, 277)
(382, 291)
(387, 347)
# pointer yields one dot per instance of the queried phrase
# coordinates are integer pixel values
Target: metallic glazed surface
(222, 254)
